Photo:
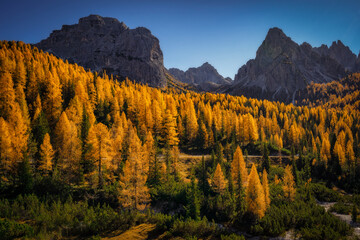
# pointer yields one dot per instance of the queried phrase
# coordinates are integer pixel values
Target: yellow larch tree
(101, 150)
(19, 132)
(350, 155)
(289, 184)
(218, 182)
(250, 129)
(238, 170)
(53, 100)
(7, 94)
(191, 124)
(255, 197)
(169, 134)
(117, 135)
(46, 156)
(149, 151)
(133, 192)
(265, 184)
(157, 117)
(6, 151)
(68, 146)
(325, 153)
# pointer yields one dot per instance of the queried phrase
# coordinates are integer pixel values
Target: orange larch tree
(255, 197)
(238, 170)
(265, 184)
(101, 150)
(218, 182)
(133, 192)
(46, 156)
(289, 184)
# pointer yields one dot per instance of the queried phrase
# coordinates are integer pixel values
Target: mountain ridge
(206, 77)
(282, 67)
(103, 43)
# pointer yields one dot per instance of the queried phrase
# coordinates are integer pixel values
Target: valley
(99, 140)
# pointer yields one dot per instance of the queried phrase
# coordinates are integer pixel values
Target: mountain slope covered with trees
(82, 154)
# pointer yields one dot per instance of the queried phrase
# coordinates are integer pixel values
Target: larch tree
(53, 100)
(157, 117)
(6, 151)
(150, 152)
(101, 149)
(325, 153)
(255, 197)
(191, 124)
(350, 155)
(19, 132)
(289, 184)
(253, 129)
(7, 94)
(133, 192)
(46, 156)
(68, 147)
(339, 152)
(169, 134)
(265, 184)
(218, 182)
(238, 170)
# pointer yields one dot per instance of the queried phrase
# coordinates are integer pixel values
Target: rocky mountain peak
(275, 44)
(282, 67)
(205, 77)
(343, 55)
(103, 43)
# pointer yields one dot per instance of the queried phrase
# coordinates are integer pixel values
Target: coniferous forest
(85, 156)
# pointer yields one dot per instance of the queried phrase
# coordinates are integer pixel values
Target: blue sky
(224, 33)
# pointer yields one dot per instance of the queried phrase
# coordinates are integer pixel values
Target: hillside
(343, 94)
(83, 155)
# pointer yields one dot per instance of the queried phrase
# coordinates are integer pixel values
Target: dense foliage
(90, 151)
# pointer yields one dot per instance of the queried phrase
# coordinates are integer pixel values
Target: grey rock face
(206, 77)
(281, 67)
(341, 53)
(102, 43)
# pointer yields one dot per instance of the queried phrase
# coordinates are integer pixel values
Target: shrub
(10, 229)
(323, 193)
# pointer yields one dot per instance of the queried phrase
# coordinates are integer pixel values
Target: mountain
(205, 77)
(282, 67)
(341, 53)
(102, 43)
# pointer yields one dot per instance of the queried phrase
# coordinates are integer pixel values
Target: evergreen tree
(203, 183)
(25, 176)
(266, 159)
(193, 208)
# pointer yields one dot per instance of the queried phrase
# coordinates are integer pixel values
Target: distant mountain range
(205, 77)
(280, 69)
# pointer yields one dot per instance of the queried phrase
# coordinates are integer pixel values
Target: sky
(224, 33)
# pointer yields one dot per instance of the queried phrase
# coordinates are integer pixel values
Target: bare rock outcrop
(282, 67)
(102, 43)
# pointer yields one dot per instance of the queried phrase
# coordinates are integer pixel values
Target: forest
(83, 155)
